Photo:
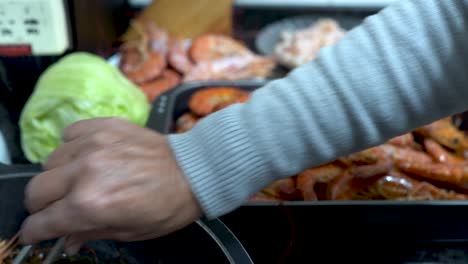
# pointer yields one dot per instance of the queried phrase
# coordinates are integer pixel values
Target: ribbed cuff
(220, 162)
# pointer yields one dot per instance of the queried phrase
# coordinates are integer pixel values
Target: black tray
(202, 242)
(374, 220)
(174, 103)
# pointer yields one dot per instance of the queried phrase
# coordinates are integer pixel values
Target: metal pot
(202, 242)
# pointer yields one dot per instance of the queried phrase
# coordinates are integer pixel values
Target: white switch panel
(40, 24)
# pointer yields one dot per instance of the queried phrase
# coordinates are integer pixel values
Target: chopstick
(24, 253)
(55, 251)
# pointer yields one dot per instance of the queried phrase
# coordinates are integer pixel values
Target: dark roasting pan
(309, 223)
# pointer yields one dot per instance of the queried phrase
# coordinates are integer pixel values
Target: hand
(109, 180)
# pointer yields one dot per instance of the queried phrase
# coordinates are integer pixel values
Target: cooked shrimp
(232, 68)
(406, 140)
(165, 82)
(368, 163)
(146, 71)
(394, 186)
(340, 188)
(178, 55)
(446, 134)
(186, 122)
(262, 197)
(144, 59)
(212, 47)
(300, 47)
(241, 99)
(159, 38)
(452, 174)
(306, 180)
(400, 154)
(441, 155)
(398, 186)
(367, 156)
(207, 101)
(284, 189)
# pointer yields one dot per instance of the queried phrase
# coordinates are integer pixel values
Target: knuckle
(82, 206)
(100, 138)
(118, 122)
(50, 161)
(30, 199)
(112, 121)
(89, 203)
(54, 158)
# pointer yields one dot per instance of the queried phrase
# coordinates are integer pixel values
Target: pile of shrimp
(157, 62)
(296, 48)
(207, 101)
(426, 164)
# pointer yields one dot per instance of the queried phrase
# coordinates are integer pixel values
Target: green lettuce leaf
(79, 86)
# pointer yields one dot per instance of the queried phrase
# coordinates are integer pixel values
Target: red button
(15, 51)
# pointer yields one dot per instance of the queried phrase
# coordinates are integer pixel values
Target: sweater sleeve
(402, 68)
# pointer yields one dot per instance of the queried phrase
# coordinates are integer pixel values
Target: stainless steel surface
(55, 251)
(224, 236)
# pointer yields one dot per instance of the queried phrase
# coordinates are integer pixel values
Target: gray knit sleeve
(400, 69)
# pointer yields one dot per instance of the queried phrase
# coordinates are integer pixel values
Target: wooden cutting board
(189, 18)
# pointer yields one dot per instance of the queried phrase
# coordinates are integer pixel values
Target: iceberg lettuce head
(79, 86)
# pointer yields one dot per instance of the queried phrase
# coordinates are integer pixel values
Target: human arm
(402, 68)
(111, 179)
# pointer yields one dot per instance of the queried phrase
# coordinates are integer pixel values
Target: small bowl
(269, 36)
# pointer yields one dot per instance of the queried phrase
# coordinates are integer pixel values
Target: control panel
(33, 27)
